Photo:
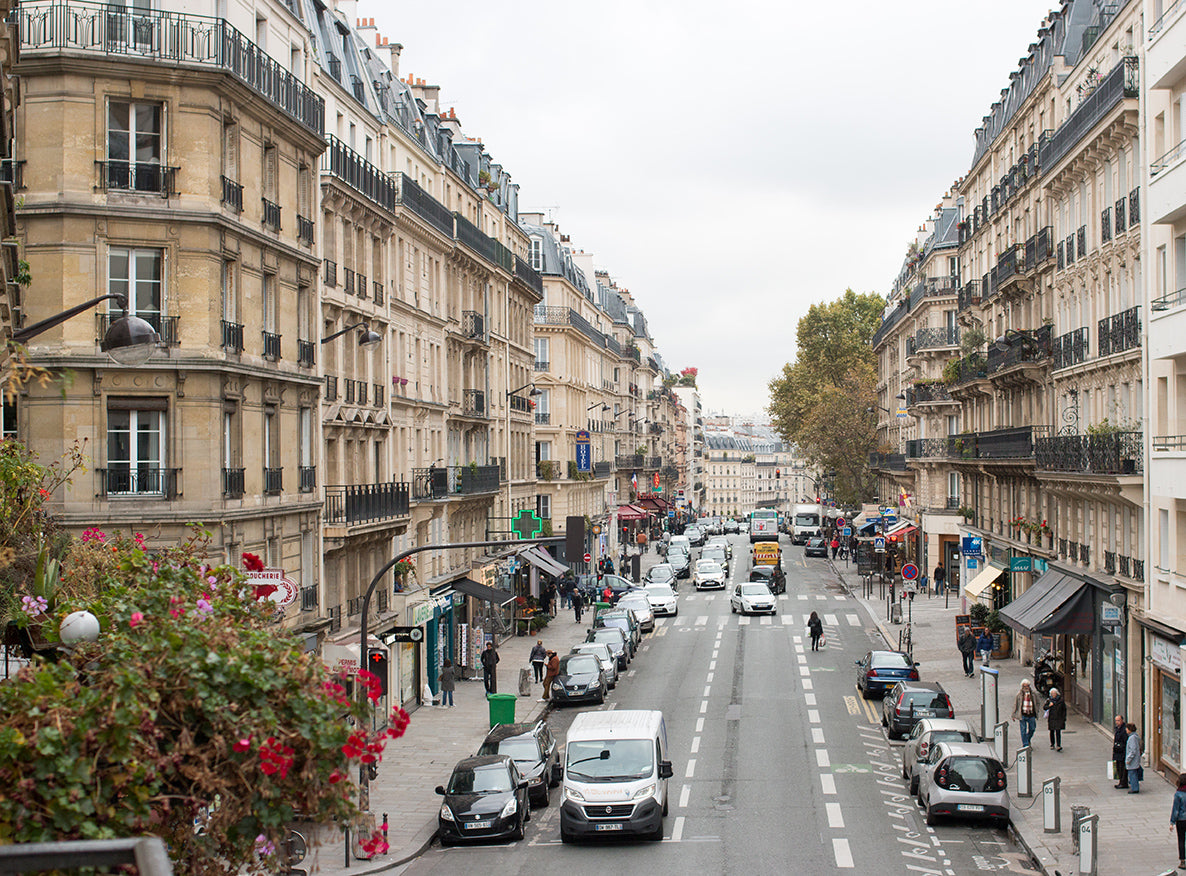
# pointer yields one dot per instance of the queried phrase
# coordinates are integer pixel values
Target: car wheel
(445, 841)
(864, 693)
(884, 720)
(932, 818)
(732, 608)
(665, 804)
(601, 697)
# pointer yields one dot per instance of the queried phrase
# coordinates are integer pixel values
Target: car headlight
(644, 791)
(446, 813)
(573, 794)
(509, 809)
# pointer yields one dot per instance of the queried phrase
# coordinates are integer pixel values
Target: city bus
(763, 525)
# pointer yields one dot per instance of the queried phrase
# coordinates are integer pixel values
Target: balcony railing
(1016, 443)
(12, 172)
(888, 461)
(377, 293)
(529, 276)
(137, 176)
(354, 606)
(331, 388)
(922, 393)
(1106, 225)
(307, 477)
(1120, 332)
(424, 205)
(1081, 241)
(364, 503)
(951, 447)
(304, 230)
(473, 403)
(519, 403)
(441, 482)
(378, 394)
(166, 326)
(306, 354)
(1120, 453)
(271, 214)
(1028, 346)
(309, 598)
(473, 326)
(233, 482)
(348, 281)
(335, 619)
(1070, 349)
(1119, 213)
(1121, 82)
(654, 463)
(331, 273)
(969, 295)
(271, 345)
(232, 194)
(1134, 206)
(543, 418)
(603, 469)
(360, 285)
(273, 481)
(629, 462)
(933, 338)
(142, 480)
(541, 365)
(966, 370)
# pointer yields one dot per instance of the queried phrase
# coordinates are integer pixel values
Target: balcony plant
(965, 512)
(547, 469)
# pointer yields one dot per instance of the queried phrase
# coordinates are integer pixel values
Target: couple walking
(1025, 713)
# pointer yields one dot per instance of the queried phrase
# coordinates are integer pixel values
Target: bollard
(1088, 835)
(1025, 773)
(989, 708)
(1000, 741)
(347, 847)
(1051, 816)
(524, 682)
(384, 827)
(1078, 813)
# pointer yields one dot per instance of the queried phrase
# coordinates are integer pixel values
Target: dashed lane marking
(821, 758)
(835, 817)
(677, 831)
(853, 619)
(827, 784)
(695, 745)
(684, 794)
(691, 768)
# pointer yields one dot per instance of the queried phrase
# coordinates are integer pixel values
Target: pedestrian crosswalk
(709, 596)
(785, 619)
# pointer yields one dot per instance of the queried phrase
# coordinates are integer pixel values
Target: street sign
(526, 524)
(972, 563)
(670, 513)
(847, 531)
(879, 544)
(584, 452)
(972, 546)
(840, 521)
(588, 557)
(910, 571)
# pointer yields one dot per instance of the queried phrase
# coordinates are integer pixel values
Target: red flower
(252, 563)
(242, 744)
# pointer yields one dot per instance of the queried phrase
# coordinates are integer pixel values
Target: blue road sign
(879, 544)
(848, 530)
(671, 512)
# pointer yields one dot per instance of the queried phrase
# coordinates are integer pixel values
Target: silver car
(752, 598)
(641, 606)
(964, 781)
(723, 542)
(716, 553)
(926, 733)
(663, 600)
(708, 574)
(602, 651)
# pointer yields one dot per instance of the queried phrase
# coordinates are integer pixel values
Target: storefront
(1164, 736)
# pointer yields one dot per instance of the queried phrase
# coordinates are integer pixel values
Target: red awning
(658, 503)
(631, 512)
(902, 533)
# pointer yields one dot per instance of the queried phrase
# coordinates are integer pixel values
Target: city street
(776, 758)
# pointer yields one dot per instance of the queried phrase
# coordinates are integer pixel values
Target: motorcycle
(1047, 673)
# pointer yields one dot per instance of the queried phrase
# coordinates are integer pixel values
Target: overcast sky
(730, 163)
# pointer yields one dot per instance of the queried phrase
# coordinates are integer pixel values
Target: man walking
(1025, 712)
(940, 579)
(1119, 751)
(578, 602)
(489, 670)
(1132, 759)
(967, 647)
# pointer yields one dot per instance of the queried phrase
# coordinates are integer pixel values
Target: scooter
(1047, 673)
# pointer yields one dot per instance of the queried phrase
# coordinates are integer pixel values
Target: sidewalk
(424, 757)
(1133, 835)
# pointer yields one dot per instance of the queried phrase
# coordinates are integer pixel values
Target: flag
(634, 481)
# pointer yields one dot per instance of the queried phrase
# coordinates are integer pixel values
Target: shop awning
(631, 512)
(982, 581)
(543, 561)
(481, 591)
(901, 532)
(659, 503)
(1056, 604)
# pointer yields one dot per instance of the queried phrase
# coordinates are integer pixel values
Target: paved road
(779, 766)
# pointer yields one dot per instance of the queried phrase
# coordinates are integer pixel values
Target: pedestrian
(1025, 712)
(489, 668)
(1119, 744)
(940, 579)
(552, 674)
(642, 542)
(1178, 819)
(448, 683)
(835, 546)
(815, 627)
(984, 645)
(607, 595)
(551, 591)
(967, 647)
(1055, 711)
(578, 603)
(538, 658)
(1132, 760)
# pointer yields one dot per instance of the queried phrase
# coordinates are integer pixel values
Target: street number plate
(608, 827)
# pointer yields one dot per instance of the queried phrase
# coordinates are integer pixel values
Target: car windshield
(807, 520)
(889, 660)
(492, 779)
(754, 590)
(518, 748)
(970, 773)
(661, 573)
(661, 591)
(713, 553)
(579, 664)
(611, 760)
(638, 603)
(609, 635)
(708, 567)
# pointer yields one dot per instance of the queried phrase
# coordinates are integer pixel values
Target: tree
(820, 401)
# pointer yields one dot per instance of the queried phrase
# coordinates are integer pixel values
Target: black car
(617, 640)
(681, 561)
(661, 573)
(772, 576)
(486, 798)
(817, 546)
(534, 750)
(908, 702)
(625, 620)
(581, 679)
(878, 671)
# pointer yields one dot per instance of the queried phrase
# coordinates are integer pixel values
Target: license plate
(478, 825)
(925, 713)
(969, 807)
(607, 827)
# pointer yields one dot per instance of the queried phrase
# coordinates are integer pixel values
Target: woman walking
(816, 628)
(1056, 717)
(538, 658)
(1178, 819)
(448, 679)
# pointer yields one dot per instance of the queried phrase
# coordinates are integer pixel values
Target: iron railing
(137, 176)
(307, 478)
(888, 461)
(519, 403)
(1119, 213)
(1119, 453)
(1081, 241)
(933, 338)
(1169, 442)
(232, 194)
(363, 503)
(331, 388)
(951, 447)
(341, 161)
(141, 480)
(1121, 82)
(1134, 206)
(969, 295)
(166, 327)
(629, 461)
(1070, 349)
(306, 354)
(1027, 346)
(474, 403)
(309, 598)
(921, 393)
(1110, 562)
(331, 273)
(424, 205)
(354, 606)
(378, 394)
(234, 482)
(541, 365)
(443, 481)
(360, 285)
(335, 619)
(271, 345)
(273, 480)
(469, 234)
(1106, 225)
(377, 293)
(965, 370)
(1120, 332)
(348, 281)
(603, 469)
(528, 276)
(304, 229)
(1014, 443)
(271, 216)
(543, 418)
(12, 172)
(1168, 159)
(473, 325)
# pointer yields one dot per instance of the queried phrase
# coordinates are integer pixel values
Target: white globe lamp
(79, 626)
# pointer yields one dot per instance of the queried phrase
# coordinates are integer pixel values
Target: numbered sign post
(1088, 834)
(1051, 818)
(1025, 773)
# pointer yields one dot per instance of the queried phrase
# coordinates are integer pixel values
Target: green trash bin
(599, 607)
(502, 708)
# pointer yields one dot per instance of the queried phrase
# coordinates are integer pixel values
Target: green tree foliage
(820, 401)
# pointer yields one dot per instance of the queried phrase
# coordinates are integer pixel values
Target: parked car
(964, 780)
(716, 553)
(816, 546)
(772, 576)
(695, 535)
(637, 602)
(908, 702)
(605, 654)
(680, 559)
(928, 732)
(723, 542)
(617, 585)
(533, 749)
(753, 598)
(731, 526)
(660, 573)
(709, 575)
(878, 671)
(486, 798)
(581, 679)
(617, 641)
(626, 621)
(663, 600)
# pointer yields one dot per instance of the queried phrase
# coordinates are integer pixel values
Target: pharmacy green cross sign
(526, 524)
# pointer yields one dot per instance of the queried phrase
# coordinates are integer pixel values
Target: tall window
(230, 150)
(543, 506)
(137, 274)
(271, 439)
(135, 446)
(537, 254)
(230, 437)
(134, 146)
(271, 169)
(8, 430)
(541, 351)
(306, 436)
(269, 302)
(230, 301)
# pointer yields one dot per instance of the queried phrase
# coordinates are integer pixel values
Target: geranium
(135, 620)
(243, 744)
(34, 605)
(94, 534)
(252, 563)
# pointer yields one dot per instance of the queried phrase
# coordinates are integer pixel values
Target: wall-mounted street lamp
(534, 391)
(366, 338)
(869, 410)
(129, 340)
(604, 407)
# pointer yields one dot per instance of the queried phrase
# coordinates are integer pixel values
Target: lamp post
(129, 340)
(366, 338)
(364, 785)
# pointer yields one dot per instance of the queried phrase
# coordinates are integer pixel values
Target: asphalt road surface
(780, 767)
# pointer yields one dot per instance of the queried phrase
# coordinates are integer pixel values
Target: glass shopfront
(1165, 744)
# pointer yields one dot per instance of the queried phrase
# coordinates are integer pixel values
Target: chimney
(365, 27)
(395, 49)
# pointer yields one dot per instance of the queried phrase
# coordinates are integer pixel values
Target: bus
(763, 525)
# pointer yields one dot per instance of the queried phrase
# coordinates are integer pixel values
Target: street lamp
(604, 407)
(129, 340)
(366, 338)
(534, 392)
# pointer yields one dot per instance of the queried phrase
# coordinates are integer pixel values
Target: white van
(615, 775)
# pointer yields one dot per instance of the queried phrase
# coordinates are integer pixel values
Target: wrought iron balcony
(232, 194)
(360, 285)
(378, 393)
(331, 273)
(603, 469)
(1123, 81)
(166, 326)
(348, 281)
(271, 345)
(139, 481)
(1027, 346)
(377, 293)
(933, 338)
(354, 606)
(306, 354)
(137, 176)
(273, 481)
(1119, 213)
(966, 370)
(473, 326)
(969, 295)
(1070, 349)
(307, 476)
(309, 598)
(335, 619)
(12, 172)
(543, 418)
(1081, 241)
(1117, 453)
(271, 214)
(541, 365)
(233, 482)
(366, 503)
(473, 403)
(424, 205)
(654, 463)
(442, 482)
(1134, 206)
(528, 276)
(923, 393)
(331, 388)
(1015, 443)
(887, 461)
(951, 447)
(1007, 264)
(629, 462)
(1106, 225)
(519, 403)
(304, 230)
(1120, 332)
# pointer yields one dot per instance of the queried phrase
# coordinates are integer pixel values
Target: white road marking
(821, 758)
(743, 620)
(684, 794)
(809, 699)
(820, 596)
(787, 620)
(797, 639)
(817, 735)
(802, 658)
(699, 725)
(691, 769)
(830, 620)
(803, 596)
(843, 854)
(813, 716)
(703, 707)
(766, 620)
(630, 673)
(708, 678)
(854, 620)
(835, 818)
(681, 621)
(712, 664)
(707, 690)
(827, 783)
(805, 670)
(714, 654)
(808, 684)
(677, 831)
(702, 620)
(695, 744)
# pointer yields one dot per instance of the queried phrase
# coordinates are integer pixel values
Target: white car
(717, 554)
(723, 542)
(640, 604)
(663, 600)
(605, 657)
(708, 574)
(753, 598)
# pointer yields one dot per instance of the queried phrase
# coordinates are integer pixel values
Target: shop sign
(1021, 564)
(421, 612)
(1165, 654)
(1110, 614)
(972, 546)
(488, 575)
(287, 590)
(340, 658)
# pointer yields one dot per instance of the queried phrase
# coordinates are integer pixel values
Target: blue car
(878, 671)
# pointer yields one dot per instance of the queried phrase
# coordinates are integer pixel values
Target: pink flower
(135, 620)
(242, 744)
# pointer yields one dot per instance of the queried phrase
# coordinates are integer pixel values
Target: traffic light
(777, 474)
(377, 664)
